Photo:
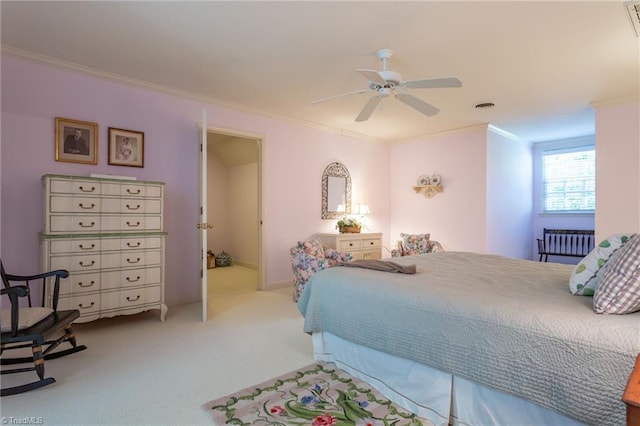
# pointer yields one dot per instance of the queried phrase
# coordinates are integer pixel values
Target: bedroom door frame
(259, 139)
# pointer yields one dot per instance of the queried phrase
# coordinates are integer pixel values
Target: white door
(203, 227)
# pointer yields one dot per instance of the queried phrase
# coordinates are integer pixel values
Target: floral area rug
(318, 395)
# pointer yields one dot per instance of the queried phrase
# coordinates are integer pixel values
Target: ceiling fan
(385, 83)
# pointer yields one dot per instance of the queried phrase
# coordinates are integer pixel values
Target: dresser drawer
(371, 254)
(134, 190)
(78, 283)
(76, 263)
(348, 245)
(130, 259)
(371, 243)
(74, 186)
(86, 303)
(131, 298)
(66, 204)
(75, 223)
(131, 206)
(355, 255)
(66, 245)
(82, 283)
(131, 277)
(133, 243)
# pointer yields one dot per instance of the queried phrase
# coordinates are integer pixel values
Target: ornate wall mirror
(336, 191)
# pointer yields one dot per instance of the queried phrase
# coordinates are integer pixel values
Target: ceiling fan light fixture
(633, 9)
(384, 83)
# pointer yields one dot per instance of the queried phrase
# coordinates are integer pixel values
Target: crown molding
(617, 101)
(118, 78)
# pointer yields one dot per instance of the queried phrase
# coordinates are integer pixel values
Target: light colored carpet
(140, 371)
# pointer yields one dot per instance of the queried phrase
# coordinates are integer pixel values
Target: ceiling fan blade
(417, 104)
(354, 92)
(433, 83)
(372, 76)
(368, 108)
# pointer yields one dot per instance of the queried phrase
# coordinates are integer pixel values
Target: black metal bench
(565, 242)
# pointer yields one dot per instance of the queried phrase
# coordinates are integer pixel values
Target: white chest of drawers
(361, 246)
(108, 234)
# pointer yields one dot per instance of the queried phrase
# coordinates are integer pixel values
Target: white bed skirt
(432, 394)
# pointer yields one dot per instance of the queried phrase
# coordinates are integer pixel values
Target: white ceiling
(541, 63)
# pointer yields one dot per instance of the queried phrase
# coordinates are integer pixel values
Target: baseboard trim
(279, 284)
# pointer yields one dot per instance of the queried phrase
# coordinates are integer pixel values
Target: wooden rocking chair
(34, 327)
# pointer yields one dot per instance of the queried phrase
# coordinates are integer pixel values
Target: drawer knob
(81, 306)
(82, 206)
(129, 299)
(129, 191)
(82, 247)
(133, 261)
(83, 189)
(133, 246)
(81, 284)
(81, 263)
(133, 208)
(133, 224)
(91, 225)
(350, 244)
(133, 281)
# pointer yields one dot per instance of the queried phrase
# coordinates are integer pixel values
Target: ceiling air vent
(633, 8)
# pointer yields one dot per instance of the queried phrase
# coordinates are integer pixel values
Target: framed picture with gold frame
(76, 141)
(126, 147)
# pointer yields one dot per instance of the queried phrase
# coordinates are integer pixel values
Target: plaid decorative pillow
(619, 288)
(415, 244)
(586, 275)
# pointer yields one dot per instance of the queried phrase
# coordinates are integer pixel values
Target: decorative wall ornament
(429, 185)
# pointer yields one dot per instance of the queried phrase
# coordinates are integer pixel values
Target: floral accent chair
(411, 244)
(309, 257)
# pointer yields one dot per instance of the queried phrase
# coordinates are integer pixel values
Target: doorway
(234, 210)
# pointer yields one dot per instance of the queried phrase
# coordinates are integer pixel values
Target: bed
(475, 339)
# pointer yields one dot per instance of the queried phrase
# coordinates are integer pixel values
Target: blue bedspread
(505, 323)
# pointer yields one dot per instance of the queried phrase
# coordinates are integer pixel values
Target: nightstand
(631, 396)
(360, 245)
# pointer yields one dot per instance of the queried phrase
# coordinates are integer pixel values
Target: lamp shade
(362, 209)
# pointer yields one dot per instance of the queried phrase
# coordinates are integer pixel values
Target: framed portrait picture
(126, 147)
(76, 141)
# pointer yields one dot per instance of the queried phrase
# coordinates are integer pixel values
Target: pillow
(585, 276)
(26, 317)
(312, 247)
(414, 244)
(619, 288)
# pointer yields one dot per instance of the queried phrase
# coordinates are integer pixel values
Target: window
(569, 180)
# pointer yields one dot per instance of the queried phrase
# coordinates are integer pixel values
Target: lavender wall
(294, 157)
(456, 217)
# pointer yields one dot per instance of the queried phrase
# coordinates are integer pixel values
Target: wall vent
(633, 8)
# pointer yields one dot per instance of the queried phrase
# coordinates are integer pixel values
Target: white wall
(617, 168)
(557, 221)
(509, 186)
(232, 209)
(243, 208)
(218, 238)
